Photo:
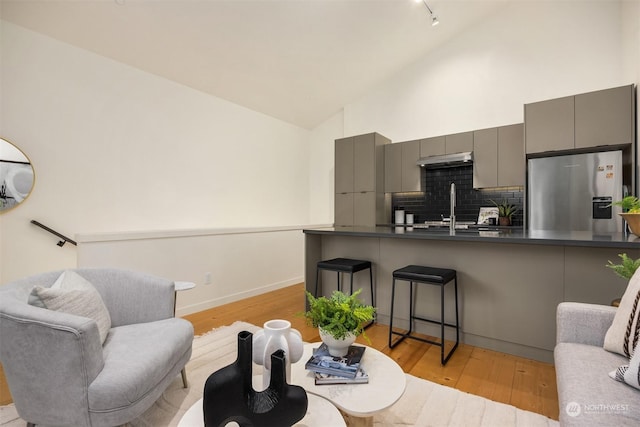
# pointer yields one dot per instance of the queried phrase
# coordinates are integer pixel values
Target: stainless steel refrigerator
(574, 192)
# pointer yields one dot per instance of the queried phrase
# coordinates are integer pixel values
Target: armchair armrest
(43, 350)
(132, 297)
(583, 323)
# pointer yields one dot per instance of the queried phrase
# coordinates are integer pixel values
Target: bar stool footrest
(435, 322)
(425, 340)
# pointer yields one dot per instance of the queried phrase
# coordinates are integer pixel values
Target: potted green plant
(339, 319)
(626, 268)
(631, 212)
(630, 204)
(505, 211)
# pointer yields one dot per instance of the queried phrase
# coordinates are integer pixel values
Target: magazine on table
(325, 379)
(347, 366)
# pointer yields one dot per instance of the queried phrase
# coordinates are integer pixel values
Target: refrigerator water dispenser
(602, 207)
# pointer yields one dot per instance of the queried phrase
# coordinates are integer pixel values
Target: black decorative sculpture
(229, 394)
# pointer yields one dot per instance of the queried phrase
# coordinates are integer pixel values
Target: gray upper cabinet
(549, 125)
(355, 164)
(364, 164)
(604, 117)
(344, 165)
(498, 157)
(359, 180)
(401, 171)
(485, 158)
(511, 157)
(393, 168)
(459, 142)
(432, 146)
(410, 168)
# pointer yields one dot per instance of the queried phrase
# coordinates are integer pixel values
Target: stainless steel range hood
(446, 160)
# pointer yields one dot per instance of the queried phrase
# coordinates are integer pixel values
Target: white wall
(117, 149)
(238, 262)
(321, 169)
(530, 52)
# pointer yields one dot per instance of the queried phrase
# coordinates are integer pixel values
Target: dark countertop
(502, 235)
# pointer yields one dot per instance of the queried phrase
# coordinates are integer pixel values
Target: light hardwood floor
(524, 383)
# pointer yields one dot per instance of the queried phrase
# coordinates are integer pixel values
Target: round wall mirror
(16, 176)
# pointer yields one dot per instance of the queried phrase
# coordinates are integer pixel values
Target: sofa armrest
(132, 297)
(583, 323)
(43, 351)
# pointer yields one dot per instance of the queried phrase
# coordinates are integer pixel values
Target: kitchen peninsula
(510, 281)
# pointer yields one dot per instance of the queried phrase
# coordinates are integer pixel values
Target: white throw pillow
(73, 294)
(622, 336)
(630, 373)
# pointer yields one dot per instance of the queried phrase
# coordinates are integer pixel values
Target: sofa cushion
(586, 394)
(622, 336)
(136, 360)
(73, 294)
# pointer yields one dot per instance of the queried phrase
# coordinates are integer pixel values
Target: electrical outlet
(207, 278)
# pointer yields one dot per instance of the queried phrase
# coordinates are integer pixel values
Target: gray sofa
(587, 396)
(59, 373)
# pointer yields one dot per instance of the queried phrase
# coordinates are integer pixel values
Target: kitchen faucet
(452, 213)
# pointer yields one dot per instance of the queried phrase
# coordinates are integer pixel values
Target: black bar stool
(346, 265)
(432, 276)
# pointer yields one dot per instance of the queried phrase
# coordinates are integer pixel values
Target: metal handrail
(64, 238)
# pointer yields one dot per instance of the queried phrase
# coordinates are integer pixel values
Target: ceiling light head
(434, 18)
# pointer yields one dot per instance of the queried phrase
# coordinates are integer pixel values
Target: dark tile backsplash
(434, 202)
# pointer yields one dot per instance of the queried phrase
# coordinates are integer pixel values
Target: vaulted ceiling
(299, 61)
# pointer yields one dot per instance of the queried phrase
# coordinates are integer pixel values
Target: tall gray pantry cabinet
(359, 180)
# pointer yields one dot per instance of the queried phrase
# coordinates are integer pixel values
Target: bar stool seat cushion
(344, 264)
(418, 273)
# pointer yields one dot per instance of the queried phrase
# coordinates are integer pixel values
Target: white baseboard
(205, 305)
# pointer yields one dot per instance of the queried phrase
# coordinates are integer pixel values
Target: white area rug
(424, 403)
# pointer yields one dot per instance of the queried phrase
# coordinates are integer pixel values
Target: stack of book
(337, 370)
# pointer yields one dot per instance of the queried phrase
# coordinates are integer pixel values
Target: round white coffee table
(320, 413)
(359, 402)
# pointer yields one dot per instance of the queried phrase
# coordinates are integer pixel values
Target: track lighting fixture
(434, 18)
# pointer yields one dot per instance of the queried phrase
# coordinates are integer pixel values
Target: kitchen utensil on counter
(488, 215)
(409, 218)
(399, 217)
